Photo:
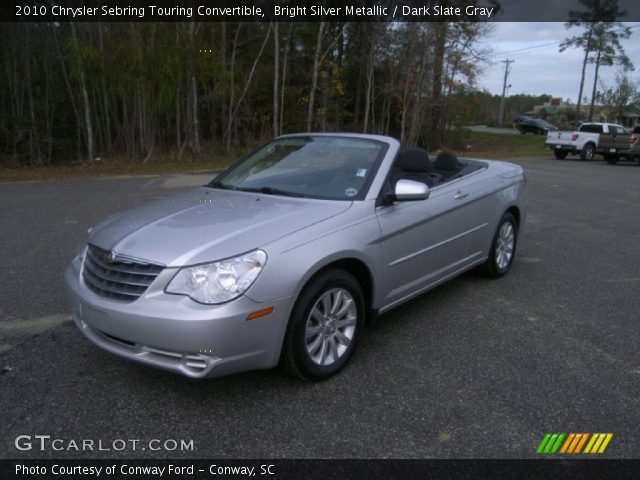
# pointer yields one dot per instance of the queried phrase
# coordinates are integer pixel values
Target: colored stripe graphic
(567, 443)
(551, 443)
(581, 442)
(543, 443)
(598, 443)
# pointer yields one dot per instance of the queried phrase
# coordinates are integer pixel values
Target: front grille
(121, 279)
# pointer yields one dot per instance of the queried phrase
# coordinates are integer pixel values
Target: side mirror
(409, 190)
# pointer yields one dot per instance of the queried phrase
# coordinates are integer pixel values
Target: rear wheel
(503, 247)
(612, 159)
(588, 152)
(324, 326)
(560, 154)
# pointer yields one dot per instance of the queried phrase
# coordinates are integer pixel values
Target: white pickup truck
(607, 139)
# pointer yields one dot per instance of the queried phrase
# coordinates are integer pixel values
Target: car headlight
(220, 281)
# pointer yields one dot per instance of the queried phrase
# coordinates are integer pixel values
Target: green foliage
(621, 96)
(173, 89)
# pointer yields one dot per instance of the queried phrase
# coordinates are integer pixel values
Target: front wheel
(503, 247)
(324, 326)
(560, 154)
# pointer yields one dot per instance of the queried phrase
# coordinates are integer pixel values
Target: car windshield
(335, 168)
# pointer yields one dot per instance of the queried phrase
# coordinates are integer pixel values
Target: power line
(509, 52)
(518, 50)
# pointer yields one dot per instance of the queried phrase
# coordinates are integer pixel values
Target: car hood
(207, 224)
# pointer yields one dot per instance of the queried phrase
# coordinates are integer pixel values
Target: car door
(423, 242)
(615, 139)
(621, 138)
(606, 140)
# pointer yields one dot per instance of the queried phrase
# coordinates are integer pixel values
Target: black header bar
(297, 10)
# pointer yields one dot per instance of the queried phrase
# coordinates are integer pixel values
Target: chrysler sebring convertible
(286, 255)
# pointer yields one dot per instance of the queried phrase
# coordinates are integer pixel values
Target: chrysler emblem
(109, 257)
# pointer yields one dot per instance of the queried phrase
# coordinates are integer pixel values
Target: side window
(620, 130)
(591, 128)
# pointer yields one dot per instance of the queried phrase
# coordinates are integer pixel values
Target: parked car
(536, 126)
(608, 139)
(287, 254)
(520, 118)
(633, 153)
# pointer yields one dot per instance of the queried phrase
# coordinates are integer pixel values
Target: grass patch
(468, 143)
(500, 146)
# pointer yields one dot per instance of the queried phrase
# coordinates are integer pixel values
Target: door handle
(460, 195)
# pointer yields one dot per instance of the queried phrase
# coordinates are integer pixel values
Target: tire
(318, 343)
(560, 154)
(501, 255)
(588, 152)
(612, 159)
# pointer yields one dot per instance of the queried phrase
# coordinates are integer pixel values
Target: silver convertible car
(285, 256)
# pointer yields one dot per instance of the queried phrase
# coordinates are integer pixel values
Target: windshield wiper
(270, 191)
(218, 184)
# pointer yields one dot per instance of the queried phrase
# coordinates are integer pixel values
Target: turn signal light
(259, 313)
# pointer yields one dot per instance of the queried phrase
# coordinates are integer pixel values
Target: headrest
(413, 160)
(446, 161)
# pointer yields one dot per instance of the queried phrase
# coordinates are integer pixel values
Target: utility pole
(504, 89)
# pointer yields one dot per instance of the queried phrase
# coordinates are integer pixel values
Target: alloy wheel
(505, 245)
(330, 326)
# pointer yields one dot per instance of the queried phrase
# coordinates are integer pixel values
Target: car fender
(292, 261)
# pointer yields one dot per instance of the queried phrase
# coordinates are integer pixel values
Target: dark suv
(536, 126)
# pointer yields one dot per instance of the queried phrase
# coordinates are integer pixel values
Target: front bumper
(175, 333)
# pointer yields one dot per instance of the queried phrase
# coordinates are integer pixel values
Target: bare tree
(276, 73)
(621, 95)
(85, 96)
(608, 51)
(314, 75)
(596, 14)
(247, 83)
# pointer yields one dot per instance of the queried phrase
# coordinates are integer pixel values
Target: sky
(544, 69)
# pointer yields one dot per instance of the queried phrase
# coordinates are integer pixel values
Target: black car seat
(446, 164)
(412, 164)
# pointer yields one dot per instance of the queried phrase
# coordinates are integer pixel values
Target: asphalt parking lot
(474, 369)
